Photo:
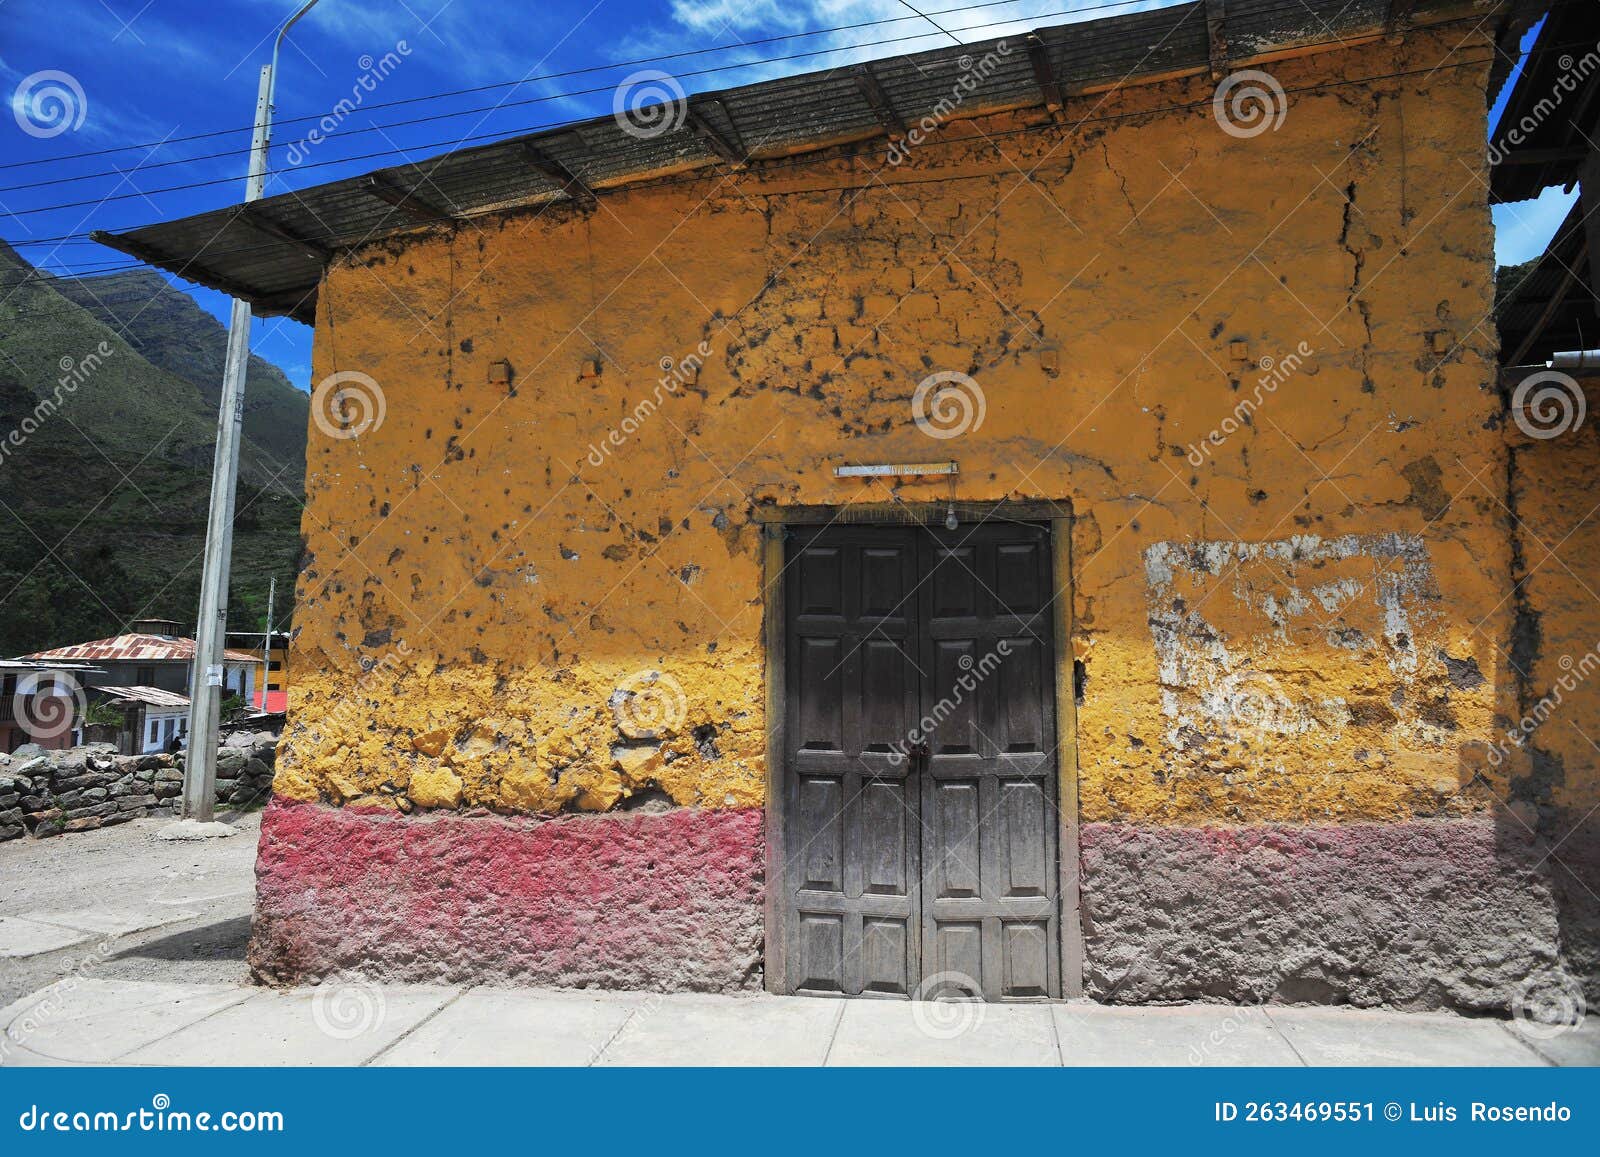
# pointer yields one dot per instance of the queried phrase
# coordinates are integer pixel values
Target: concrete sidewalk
(354, 1022)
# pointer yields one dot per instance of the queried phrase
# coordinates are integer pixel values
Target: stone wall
(76, 789)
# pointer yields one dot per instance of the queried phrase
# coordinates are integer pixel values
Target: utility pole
(266, 642)
(205, 691)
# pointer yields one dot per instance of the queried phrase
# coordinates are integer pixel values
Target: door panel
(939, 869)
(992, 746)
(853, 693)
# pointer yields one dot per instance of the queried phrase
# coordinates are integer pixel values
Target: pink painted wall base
(668, 901)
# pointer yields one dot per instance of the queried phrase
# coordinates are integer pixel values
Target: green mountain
(171, 332)
(108, 410)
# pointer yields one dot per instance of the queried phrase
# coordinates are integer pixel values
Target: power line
(500, 106)
(805, 159)
(497, 107)
(488, 137)
(753, 43)
(481, 138)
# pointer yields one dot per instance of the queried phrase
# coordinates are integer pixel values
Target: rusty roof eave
(273, 252)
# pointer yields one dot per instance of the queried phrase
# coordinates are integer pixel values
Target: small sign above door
(895, 469)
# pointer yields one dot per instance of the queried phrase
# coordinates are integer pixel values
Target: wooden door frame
(775, 521)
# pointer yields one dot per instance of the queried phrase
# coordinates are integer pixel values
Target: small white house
(155, 718)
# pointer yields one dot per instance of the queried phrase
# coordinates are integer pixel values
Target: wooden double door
(920, 820)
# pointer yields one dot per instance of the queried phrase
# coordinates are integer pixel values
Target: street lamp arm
(278, 43)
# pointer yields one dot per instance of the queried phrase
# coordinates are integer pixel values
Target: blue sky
(155, 70)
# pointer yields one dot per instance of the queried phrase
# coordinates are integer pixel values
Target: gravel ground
(149, 909)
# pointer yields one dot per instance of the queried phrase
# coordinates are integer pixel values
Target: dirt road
(120, 904)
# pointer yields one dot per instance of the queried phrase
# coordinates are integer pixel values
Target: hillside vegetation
(103, 498)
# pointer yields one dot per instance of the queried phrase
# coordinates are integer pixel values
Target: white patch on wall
(1243, 633)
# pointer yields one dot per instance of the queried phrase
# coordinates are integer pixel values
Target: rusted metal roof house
(136, 647)
(152, 657)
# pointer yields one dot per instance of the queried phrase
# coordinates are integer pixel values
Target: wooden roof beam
(882, 106)
(1398, 20)
(1521, 156)
(385, 188)
(1217, 38)
(726, 145)
(553, 167)
(1536, 330)
(1589, 197)
(252, 215)
(1044, 75)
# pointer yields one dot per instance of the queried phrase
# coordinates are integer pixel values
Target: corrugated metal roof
(272, 253)
(1541, 137)
(149, 696)
(30, 665)
(136, 649)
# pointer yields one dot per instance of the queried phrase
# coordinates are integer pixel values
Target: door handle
(919, 755)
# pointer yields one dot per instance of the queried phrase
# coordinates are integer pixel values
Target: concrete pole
(266, 642)
(205, 684)
(205, 693)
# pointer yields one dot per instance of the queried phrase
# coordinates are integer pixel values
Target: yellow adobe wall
(507, 579)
